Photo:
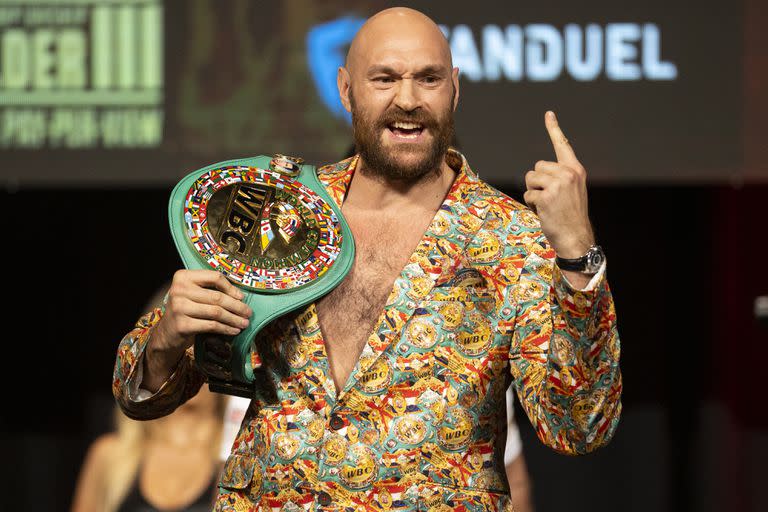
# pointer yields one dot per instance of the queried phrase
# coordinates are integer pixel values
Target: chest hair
(349, 313)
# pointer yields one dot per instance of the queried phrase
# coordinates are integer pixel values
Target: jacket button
(324, 498)
(336, 422)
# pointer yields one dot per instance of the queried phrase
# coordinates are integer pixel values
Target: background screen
(142, 91)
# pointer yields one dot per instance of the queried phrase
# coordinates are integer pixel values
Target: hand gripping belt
(269, 225)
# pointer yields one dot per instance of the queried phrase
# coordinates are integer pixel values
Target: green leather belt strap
(270, 226)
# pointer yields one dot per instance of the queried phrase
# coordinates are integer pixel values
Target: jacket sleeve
(139, 404)
(564, 354)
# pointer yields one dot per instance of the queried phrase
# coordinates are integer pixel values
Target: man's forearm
(158, 366)
(147, 385)
(564, 358)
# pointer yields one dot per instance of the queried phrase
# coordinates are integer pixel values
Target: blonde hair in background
(122, 469)
(132, 439)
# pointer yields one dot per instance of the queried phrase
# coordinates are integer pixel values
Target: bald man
(394, 397)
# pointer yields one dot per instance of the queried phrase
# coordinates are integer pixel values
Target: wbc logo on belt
(248, 206)
(263, 228)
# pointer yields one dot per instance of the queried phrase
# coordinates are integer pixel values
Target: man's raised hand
(557, 191)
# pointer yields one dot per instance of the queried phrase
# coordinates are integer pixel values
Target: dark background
(685, 265)
(686, 260)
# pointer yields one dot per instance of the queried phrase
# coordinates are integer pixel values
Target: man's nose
(407, 96)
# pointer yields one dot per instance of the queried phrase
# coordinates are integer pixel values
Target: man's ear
(455, 80)
(342, 81)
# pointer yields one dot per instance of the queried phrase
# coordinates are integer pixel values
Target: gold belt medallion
(265, 230)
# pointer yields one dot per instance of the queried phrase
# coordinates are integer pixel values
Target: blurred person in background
(514, 461)
(170, 463)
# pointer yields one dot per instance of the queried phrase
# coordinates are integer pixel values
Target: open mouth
(404, 130)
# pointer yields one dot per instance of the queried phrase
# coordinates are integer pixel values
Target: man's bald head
(397, 23)
(401, 88)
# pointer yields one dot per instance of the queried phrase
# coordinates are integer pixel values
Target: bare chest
(349, 313)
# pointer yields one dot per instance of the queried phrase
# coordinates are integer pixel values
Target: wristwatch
(589, 263)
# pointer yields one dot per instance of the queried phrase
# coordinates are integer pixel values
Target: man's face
(402, 94)
(401, 144)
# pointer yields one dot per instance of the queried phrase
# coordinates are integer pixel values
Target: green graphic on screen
(81, 74)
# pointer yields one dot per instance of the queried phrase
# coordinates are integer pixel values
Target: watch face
(595, 258)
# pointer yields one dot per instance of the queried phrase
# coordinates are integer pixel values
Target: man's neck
(371, 191)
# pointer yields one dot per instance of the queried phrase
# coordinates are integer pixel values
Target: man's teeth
(406, 130)
(407, 126)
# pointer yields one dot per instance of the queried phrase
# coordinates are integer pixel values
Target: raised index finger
(563, 149)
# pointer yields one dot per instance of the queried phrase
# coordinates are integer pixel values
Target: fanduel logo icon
(326, 50)
(536, 53)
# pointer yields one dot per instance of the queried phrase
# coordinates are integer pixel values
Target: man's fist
(199, 301)
(557, 191)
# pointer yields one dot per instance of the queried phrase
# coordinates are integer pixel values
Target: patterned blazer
(420, 424)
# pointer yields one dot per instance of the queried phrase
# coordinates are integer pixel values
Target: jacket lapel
(435, 260)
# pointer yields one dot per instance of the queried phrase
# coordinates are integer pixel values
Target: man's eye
(384, 79)
(430, 79)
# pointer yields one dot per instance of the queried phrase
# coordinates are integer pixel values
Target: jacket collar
(438, 255)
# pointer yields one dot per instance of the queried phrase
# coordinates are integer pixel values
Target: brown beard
(380, 162)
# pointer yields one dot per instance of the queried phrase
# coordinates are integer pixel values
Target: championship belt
(269, 225)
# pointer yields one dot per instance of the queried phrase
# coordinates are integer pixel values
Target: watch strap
(590, 262)
(572, 264)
